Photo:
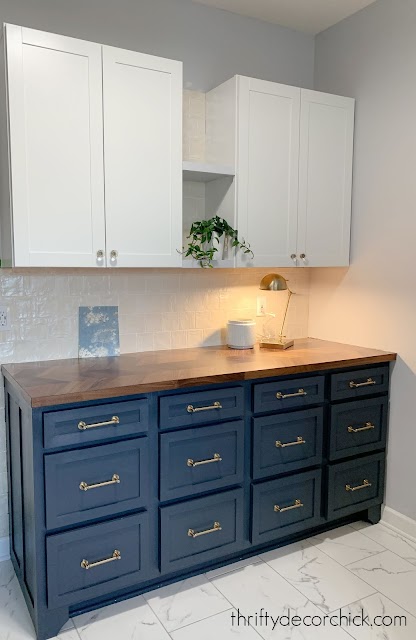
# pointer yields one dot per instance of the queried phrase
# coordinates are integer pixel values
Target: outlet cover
(261, 306)
(4, 319)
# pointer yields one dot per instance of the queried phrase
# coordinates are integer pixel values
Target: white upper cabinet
(95, 143)
(325, 177)
(56, 149)
(294, 175)
(267, 171)
(143, 159)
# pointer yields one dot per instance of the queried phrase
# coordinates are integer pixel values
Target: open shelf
(204, 172)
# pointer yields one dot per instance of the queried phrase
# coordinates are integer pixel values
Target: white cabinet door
(143, 159)
(268, 157)
(325, 178)
(56, 149)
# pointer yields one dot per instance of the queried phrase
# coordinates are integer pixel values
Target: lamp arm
(290, 293)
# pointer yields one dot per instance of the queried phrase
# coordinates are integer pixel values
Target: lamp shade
(273, 282)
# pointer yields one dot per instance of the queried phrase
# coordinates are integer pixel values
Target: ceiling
(311, 16)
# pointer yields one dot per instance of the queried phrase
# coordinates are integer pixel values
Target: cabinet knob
(113, 254)
(100, 254)
(302, 256)
(293, 256)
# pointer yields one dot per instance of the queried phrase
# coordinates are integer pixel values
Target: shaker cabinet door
(268, 159)
(325, 179)
(143, 159)
(56, 149)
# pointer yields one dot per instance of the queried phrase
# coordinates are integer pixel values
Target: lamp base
(281, 344)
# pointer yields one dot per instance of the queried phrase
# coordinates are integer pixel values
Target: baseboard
(4, 549)
(399, 523)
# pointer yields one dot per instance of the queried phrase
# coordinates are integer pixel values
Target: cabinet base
(374, 514)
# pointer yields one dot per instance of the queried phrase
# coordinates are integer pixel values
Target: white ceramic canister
(241, 334)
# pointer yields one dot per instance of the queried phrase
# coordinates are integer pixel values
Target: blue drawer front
(69, 583)
(61, 428)
(355, 384)
(179, 549)
(199, 407)
(67, 503)
(358, 427)
(286, 394)
(364, 477)
(273, 517)
(287, 442)
(182, 452)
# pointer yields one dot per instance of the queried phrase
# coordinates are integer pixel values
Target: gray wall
(372, 57)
(213, 44)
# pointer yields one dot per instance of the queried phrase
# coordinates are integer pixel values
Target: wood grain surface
(57, 382)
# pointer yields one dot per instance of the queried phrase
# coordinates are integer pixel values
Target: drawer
(200, 530)
(286, 506)
(358, 427)
(69, 582)
(285, 394)
(198, 407)
(75, 427)
(354, 384)
(197, 460)
(355, 485)
(115, 476)
(287, 442)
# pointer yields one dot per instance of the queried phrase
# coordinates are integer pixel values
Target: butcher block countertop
(57, 382)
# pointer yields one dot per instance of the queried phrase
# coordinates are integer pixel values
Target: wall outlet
(4, 319)
(261, 306)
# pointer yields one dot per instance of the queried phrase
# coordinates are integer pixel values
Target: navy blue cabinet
(113, 497)
(90, 483)
(287, 442)
(200, 530)
(285, 506)
(197, 460)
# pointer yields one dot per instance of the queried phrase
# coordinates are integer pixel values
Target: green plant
(204, 234)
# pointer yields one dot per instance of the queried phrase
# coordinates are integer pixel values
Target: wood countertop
(57, 382)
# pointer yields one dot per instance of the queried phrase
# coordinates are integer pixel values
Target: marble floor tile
(257, 588)
(403, 546)
(132, 619)
(391, 575)
(218, 626)
(182, 603)
(346, 545)
(399, 625)
(15, 621)
(240, 564)
(322, 580)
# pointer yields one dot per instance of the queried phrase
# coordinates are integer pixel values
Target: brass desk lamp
(275, 282)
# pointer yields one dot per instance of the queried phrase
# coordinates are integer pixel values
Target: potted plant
(208, 236)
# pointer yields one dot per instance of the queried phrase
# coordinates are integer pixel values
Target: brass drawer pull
(281, 445)
(91, 565)
(86, 487)
(192, 463)
(281, 396)
(366, 427)
(82, 426)
(355, 385)
(195, 534)
(298, 504)
(191, 409)
(365, 484)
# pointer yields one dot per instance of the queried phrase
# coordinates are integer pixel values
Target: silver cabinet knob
(293, 256)
(100, 254)
(302, 256)
(113, 255)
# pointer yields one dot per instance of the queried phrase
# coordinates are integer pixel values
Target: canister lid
(242, 321)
